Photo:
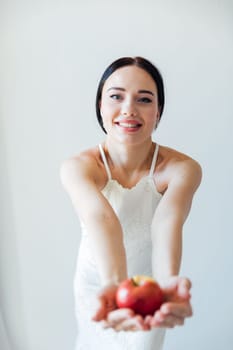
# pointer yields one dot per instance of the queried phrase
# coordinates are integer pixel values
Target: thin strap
(105, 162)
(152, 168)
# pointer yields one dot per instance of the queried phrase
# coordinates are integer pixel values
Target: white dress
(135, 208)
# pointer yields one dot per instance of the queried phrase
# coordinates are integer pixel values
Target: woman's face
(129, 104)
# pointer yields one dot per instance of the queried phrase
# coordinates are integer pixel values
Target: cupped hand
(173, 312)
(112, 317)
(105, 302)
(176, 307)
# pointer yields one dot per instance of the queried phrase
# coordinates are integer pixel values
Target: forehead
(130, 77)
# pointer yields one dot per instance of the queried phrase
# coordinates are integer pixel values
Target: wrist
(166, 279)
(113, 281)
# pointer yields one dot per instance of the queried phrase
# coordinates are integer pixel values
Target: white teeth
(128, 125)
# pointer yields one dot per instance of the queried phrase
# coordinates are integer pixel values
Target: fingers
(125, 320)
(133, 324)
(166, 321)
(119, 315)
(170, 315)
(178, 310)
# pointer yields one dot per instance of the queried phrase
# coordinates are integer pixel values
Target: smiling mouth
(129, 125)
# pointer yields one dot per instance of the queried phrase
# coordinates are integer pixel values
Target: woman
(132, 197)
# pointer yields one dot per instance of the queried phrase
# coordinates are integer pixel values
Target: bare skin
(130, 117)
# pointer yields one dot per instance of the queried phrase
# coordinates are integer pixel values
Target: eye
(115, 96)
(145, 100)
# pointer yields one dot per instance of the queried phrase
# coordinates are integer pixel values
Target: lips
(129, 124)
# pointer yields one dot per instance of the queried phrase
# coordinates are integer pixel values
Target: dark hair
(131, 61)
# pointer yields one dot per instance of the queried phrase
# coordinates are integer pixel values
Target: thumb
(100, 309)
(178, 287)
(184, 287)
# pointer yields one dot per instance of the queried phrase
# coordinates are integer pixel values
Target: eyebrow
(146, 92)
(139, 91)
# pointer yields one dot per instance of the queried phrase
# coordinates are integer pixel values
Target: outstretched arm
(170, 215)
(106, 237)
(167, 228)
(103, 226)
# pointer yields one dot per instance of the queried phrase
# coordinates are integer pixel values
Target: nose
(129, 109)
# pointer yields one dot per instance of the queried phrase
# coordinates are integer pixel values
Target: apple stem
(134, 282)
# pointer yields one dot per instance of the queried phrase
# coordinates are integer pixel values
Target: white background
(52, 56)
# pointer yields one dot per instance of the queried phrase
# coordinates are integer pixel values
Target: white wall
(52, 55)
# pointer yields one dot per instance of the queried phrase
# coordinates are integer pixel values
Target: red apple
(141, 294)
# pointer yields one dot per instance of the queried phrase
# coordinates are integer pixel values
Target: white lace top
(135, 208)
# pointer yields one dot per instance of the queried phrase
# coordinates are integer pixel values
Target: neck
(129, 157)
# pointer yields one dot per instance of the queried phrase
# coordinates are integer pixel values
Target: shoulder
(177, 167)
(85, 166)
